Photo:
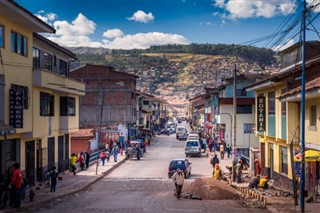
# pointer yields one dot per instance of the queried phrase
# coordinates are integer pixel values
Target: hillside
(178, 75)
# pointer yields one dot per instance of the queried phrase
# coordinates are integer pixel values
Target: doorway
(51, 151)
(61, 164)
(30, 162)
(66, 151)
(39, 161)
(271, 176)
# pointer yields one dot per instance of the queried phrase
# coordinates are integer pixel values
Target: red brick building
(110, 96)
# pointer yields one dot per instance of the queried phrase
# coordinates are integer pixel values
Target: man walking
(178, 180)
(228, 149)
(16, 183)
(53, 178)
(221, 150)
(114, 152)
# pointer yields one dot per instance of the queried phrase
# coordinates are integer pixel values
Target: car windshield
(191, 143)
(177, 164)
(181, 129)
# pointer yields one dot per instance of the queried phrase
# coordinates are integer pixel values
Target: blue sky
(131, 24)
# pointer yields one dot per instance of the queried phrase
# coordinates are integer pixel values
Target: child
(53, 177)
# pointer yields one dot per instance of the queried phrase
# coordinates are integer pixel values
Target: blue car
(182, 164)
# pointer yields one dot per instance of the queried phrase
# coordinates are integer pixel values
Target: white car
(192, 147)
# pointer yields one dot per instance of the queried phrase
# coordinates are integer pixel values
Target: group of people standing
(105, 154)
(83, 159)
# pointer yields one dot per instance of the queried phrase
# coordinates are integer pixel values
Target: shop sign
(16, 107)
(261, 114)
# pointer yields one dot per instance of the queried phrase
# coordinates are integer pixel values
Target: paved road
(143, 186)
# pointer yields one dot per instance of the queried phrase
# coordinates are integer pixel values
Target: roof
(279, 76)
(111, 69)
(82, 132)
(18, 6)
(55, 45)
(145, 94)
(311, 85)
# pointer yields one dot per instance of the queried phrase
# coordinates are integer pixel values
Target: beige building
(38, 102)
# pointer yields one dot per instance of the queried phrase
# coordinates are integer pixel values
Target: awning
(310, 155)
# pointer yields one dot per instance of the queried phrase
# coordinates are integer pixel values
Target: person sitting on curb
(254, 182)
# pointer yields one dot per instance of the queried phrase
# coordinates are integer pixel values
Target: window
(54, 61)
(284, 160)
(36, 58)
(25, 95)
(313, 115)
(145, 102)
(271, 103)
(244, 109)
(11, 150)
(19, 44)
(241, 92)
(248, 128)
(47, 61)
(1, 36)
(46, 104)
(63, 68)
(67, 106)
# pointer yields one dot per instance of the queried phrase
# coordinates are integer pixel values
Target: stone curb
(39, 203)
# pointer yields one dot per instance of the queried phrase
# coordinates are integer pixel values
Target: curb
(39, 203)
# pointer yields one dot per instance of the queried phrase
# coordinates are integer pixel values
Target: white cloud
(78, 32)
(141, 16)
(46, 17)
(113, 33)
(145, 40)
(258, 8)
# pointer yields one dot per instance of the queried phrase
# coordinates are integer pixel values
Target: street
(143, 186)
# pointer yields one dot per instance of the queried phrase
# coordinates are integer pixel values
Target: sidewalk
(70, 184)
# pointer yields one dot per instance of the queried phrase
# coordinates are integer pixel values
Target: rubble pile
(210, 189)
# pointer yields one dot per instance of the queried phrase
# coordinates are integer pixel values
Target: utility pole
(99, 132)
(303, 100)
(234, 157)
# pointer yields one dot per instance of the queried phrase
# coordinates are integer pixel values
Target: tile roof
(311, 85)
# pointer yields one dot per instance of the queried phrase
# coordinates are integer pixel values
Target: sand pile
(210, 189)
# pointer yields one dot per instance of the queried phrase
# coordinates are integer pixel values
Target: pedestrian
(73, 163)
(221, 151)
(114, 152)
(103, 157)
(178, 180)
(217, 173)
(53, 177)
(16, 183)
(228, 149)
(257, 167)
(253, 183)
(81, 160)
(238, 169)
(108, 154)
(210, 144)
(138, 151)
(214, 160)
(87, 159)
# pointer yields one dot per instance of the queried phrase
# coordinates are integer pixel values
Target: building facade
(39, 103)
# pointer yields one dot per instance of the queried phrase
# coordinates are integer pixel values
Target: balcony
(56, 82)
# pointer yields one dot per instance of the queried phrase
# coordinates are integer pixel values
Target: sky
(128, 24)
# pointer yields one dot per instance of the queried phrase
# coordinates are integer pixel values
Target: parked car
(192, 148)
(183, 136)
(182, 164)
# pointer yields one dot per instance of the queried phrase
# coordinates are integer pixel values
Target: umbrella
(310, 155)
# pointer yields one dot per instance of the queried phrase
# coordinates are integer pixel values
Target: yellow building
(278, 100)
(38, 102)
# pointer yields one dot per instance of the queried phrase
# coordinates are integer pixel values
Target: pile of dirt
(210, 189)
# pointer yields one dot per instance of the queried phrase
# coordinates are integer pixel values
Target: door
(61, 154)
(39, 162)
(66, 151)
(51, 152)
(271, 162)
(30, 162)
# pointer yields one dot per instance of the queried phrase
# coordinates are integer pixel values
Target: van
(192, 147)
(193, 136)
(179, 130)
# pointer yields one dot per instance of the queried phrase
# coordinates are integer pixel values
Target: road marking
(184, 210)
